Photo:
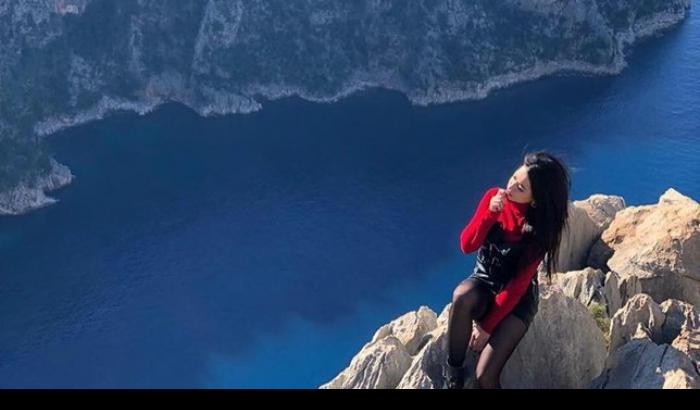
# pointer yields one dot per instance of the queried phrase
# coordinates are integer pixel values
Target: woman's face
(518, 188)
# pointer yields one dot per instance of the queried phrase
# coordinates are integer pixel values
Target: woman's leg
(498, 350)
(469, 302)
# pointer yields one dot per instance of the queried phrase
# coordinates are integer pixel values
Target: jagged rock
(586, 285)
(564, 333)
(601, 209)
(578, 350)
(611, 290)
(599, 254)
(587, 220)
(639, 310)
(655, 249)
(427, 369)
(379, 365)
(564, 348)
(409, 328)
(444, 315)
(688, 342)
(679, 316)
(682, 328)
(642, 364)
(653, 346)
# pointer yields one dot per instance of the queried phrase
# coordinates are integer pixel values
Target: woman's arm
(475, 231)
(506, 299)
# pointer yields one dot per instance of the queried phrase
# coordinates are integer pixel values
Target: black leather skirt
(496, 263)
(527, 307)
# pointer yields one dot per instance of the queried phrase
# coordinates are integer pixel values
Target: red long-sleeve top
(511, 218)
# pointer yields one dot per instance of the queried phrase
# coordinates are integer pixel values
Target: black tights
(470, 301)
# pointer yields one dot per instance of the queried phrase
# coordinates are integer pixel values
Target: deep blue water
(263, 250)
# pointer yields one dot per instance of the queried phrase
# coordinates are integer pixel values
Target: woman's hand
(496, 203)
(479, 338)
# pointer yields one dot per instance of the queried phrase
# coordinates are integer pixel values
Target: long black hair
(548, 213)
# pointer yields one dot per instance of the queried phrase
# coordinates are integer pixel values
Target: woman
(514, 230)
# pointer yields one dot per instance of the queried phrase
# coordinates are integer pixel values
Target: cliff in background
(65, 62)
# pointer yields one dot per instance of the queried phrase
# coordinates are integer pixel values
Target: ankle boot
(455, 376)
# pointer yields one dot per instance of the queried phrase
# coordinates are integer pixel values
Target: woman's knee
(465, 295)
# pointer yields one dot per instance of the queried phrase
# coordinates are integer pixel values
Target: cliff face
(629, 323)
(64, 62)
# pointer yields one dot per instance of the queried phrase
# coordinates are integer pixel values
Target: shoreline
(29, 196)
